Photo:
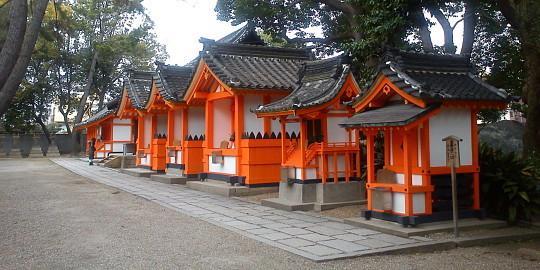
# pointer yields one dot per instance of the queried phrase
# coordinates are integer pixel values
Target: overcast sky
(180, 23)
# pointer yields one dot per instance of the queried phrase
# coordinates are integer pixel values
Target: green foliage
(510, 185)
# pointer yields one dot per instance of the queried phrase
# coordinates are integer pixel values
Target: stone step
(287, 205)
(138, 172)
(171, 179)
(225, 189)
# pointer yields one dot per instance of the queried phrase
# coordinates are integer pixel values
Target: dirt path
(53, 219)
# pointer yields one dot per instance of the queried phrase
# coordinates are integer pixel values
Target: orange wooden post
(324, 158)
(140, 136)
(358, 154)
(387, 143)
(335, 167)
(347, 165)
(267, 121)
(209, 124)
(426, 176)
(476, 166)
(303, 146)
(184, 125)
(238, 130)
(407, 171)
(170, 127)
(283, 147)
(370, 146)
(170, 131)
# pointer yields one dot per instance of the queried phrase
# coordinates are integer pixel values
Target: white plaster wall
(222, 121)
(398, 202)
(335, 132)
(419, 203)
(147, 131)
(118, 147)
(311, 173)
(121, 133)
(400, 178)
(122, 121)
(450, 121)
(291, 173)
(298, 173)
(177, 159)
(228, 167)
(251, 122)
(162, 124)
(146, 160)
(177, 128)
(290, 127)
(275, 126)
(416, 180)
(196, 121)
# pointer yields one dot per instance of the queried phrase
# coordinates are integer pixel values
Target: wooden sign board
(452, 151)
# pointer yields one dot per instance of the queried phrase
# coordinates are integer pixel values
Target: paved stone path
(311, 236)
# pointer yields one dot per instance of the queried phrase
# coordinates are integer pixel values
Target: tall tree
(17, 71)
(524, 16)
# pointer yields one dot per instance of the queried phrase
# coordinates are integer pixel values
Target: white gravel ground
(53, 219)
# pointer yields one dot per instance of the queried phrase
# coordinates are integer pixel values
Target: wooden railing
(317, 155)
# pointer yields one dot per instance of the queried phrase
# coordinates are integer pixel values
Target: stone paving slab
(312, 236)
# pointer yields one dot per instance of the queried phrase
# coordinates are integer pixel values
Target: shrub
(509, 185)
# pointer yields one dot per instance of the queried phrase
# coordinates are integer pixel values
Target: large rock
(506, 135)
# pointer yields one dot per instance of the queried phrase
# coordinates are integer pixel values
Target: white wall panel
(335, 132)
(251, 122)
(228, 166)
(162, 124)
(222, 121)
(398, 202)
(450, 121)
(419, 203)
(196, 121)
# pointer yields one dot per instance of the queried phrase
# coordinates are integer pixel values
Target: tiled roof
(254, 67)
(244, 35)
(320, 82)
(398, 114)
(109, 109)
(437, 77)
(138, 85)
(172, 81)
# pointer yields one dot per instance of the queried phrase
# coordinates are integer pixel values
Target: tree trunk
(469, 23)
(66, 121)
(449, 46)
(423, 30)
(76, 134)
(523, 16)
(19, 70)
(44, 128)
(531, 137)
(14, 40)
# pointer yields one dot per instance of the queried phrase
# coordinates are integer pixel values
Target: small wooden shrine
(415, 101)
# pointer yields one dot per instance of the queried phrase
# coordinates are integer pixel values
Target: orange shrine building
(415, 102)
(320, 161)
(109, 131)
(232, 80)
(250, 114)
